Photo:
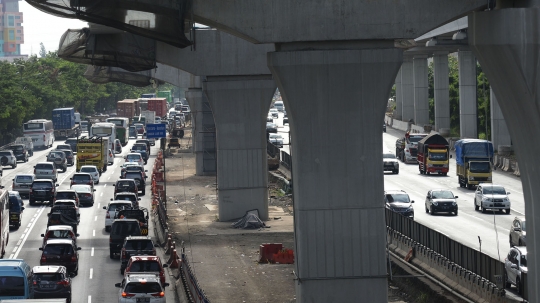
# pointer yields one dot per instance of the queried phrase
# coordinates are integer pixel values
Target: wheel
(483, 209)
(107, 228)
(444, 174)
(505, 280)
(455, 213)
(431, 210)
(31, 202)
(143, 192)
(427, 210)
(396, 171)
(507, 211)
(475, 206)
(510, 241)
(519, 243)
(111, 255)
(518, 286)
(14, 165)
(469, 186)
(122, 270)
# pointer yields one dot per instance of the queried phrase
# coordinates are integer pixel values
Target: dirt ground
(225, 260)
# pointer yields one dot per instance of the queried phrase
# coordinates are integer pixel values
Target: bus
(41, 131)
(122, 126)
(104, 129)
(15, 280)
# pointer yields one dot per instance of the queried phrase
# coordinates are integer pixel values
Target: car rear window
(66, 195)
(124, 184)
(5, 153)
(41, 185)
(59, 234)
(17, 147)
(58, 249)
(139, 245)
(134, 157)
(129, 228)
(81, 178)
(114, 207)
(88, 170)
(142, 288)
(57, 154)
(145, 266)
(24, 179)
(125, 197)
(44, 166)
(133, 175)
(51, 277)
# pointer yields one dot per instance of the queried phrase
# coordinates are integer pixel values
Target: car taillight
(159, 294)
(89, 183)
(43, 259)
(154, 251)
(73, 258)
(13, 185)
(30, 190)
(65, 283)
(34, 171)
(108, 215)
(123, 253)
(127, 295)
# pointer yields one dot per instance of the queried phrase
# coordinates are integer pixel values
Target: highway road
(97, 272)
(493, 229)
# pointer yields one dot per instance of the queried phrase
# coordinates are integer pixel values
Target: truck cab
(474, 162)
(407, 147)
(433, 155)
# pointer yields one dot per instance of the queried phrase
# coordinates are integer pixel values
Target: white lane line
(91, 272)
(105, 185)
(98, 205)
(40, 211)
(89, 299)
(20, 241)
(94, 233)
(101, 194)
(95, 219)
(92, 252)
(108, 178)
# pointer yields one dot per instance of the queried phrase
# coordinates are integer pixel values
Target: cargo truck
(148, 95)
(127, 108)
(158, 105)
(149, 116)
(64, 123)
(93, 151)
(474, 162)
(407, 147)
(167, 94)
(433, 155)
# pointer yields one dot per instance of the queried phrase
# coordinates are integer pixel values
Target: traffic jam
(68, 204)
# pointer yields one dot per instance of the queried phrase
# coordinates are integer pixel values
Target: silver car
(514, 265)
(490, 196)
(390, 163)
(518, 232)
(22, 183)
(46, 170)
(92, 170)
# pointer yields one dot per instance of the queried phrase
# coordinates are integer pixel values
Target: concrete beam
(499, 130)
(407, 90)
(421, 100)
(467, 95)
(398, 114)
(280, 21)
(496, 36)
(441, 91)
(173, 76)
(215, 54)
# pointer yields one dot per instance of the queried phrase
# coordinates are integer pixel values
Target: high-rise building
(11, 29)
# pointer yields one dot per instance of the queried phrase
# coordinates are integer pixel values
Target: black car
(58, 157)
(120, 229)
(70, 158)
(51, 282)
(126, 185)
(135, 168)
(139, 178)
(42, 190)
(441, 200)
(271, 127)
(399, 202)
(141, 149)
(384, 127)
(127, 196)
(136, 246)
(147, 142)
(73, 143)
(15, 210)
(63, 252)
(20, 152)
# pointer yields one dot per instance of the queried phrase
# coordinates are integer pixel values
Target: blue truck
(64, 123)
(474, 162)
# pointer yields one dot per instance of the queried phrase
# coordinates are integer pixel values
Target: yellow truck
(474, 162)
(92, 151)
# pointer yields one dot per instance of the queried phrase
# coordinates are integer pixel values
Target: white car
(92, 170)
(8, 158)
(276, 139)
(490, 196)
(110, 157)
(135, 157)
(141, 287)
(390, 163)
(274, 113)
(111, 209)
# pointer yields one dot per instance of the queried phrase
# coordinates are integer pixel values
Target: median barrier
(516, 171)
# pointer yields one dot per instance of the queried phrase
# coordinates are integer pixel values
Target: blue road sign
(156, 130)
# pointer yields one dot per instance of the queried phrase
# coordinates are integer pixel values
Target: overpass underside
(334, 63)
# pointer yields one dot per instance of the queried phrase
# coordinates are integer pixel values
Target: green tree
(42, 51)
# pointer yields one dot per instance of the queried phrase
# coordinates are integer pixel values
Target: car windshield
(479, 167)
(443, 194)
(12, 286)
(494, 190)
(438, 156)
(145, 266)
(24, 179)
(41, 185)
(389, 156)
(142, 288)
(58, 249)
(397, 198)
(88, 169)
(139, 245)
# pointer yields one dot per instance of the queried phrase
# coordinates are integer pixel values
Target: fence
(272, 150)
(286, 160)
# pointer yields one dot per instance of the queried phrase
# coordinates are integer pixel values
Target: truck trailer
(474, 162)
(433, 155)
(64, 123)
(407, 147)
(159, 105)
(93, 151)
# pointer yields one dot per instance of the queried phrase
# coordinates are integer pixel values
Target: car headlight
(454, 203)
(506, 200)
(410, 208)
(430, 165)
(471, 178)
(436, 203)
(486, 199)
(396, 164)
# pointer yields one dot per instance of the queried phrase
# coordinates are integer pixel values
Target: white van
(279, 106)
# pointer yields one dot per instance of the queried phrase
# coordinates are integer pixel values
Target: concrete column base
(240, 106)
(203, 132)
(507, 44)
(336, 100)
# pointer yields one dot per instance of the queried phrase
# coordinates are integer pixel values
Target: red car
(146, 264)
(140, 128)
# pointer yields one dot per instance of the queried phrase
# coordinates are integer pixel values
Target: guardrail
(271, 149)
(286, 160)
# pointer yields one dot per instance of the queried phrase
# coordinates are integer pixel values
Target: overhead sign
(156, 130)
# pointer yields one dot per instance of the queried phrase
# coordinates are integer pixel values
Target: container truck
(474, 162)
(149, 116)
(407, 147)
(159, 105)
(433, 155)
(127, 108)
(93, 151)
(143, 103)
(148, 95)
(64, 123)
(165, 94)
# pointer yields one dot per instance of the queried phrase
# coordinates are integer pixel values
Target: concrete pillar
(240, 106)
(496, 36)
(421, 101)
(499, 131)
(399, 99)
(440, 84)
(339, 217)
(467, 95)
(407, 90)
(203, 132)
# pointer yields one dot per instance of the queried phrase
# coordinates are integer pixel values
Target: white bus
(122, 127)
(41, 131)
(104, 129)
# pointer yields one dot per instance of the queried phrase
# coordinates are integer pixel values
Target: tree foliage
(32, 88)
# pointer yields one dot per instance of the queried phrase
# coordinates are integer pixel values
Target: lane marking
(40, 211)
(91, 272)
(101, 195)
(95, 219)
(94, 233)
(108, 178)
(89, 299)
(92, 252)
(105, 185)
(98, 205)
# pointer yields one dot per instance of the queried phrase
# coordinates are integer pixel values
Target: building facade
(11, 29)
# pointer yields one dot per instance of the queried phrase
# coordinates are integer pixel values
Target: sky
(41, 27)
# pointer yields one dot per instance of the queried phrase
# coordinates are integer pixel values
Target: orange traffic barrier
(173, 261)
(170, 247)
(285, 256)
